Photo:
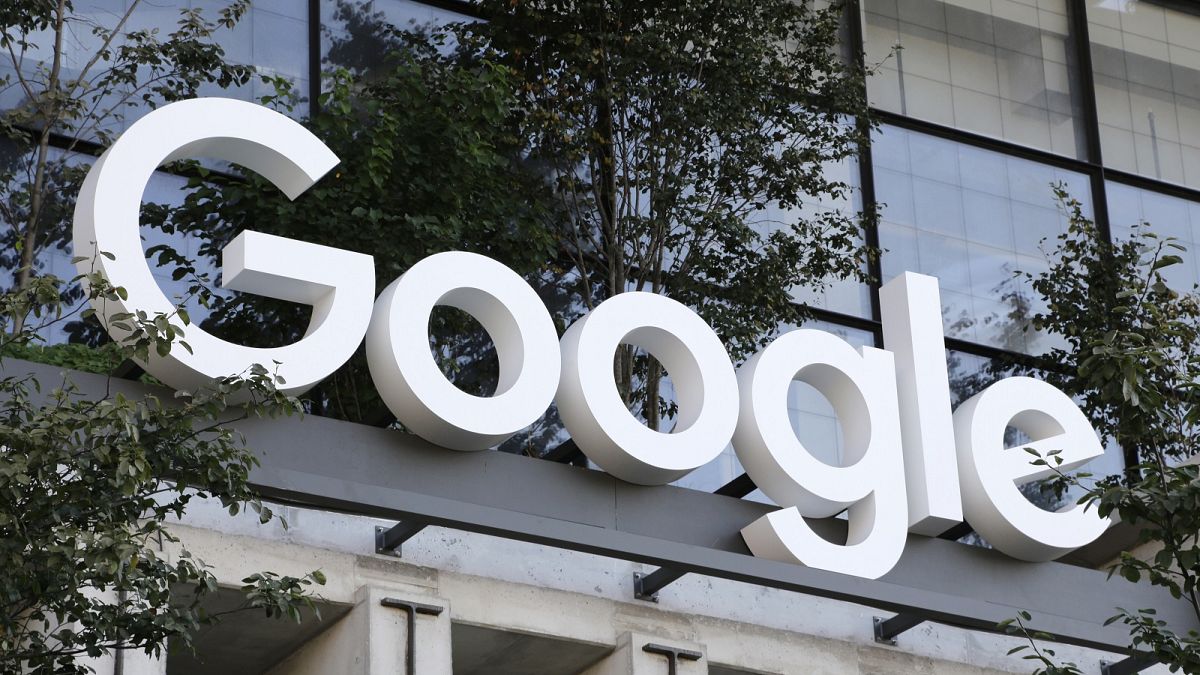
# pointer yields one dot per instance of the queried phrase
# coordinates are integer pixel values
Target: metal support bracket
(566, 453)
(738, 487)
(887, 630)
(673, 654)
(647, 586)
(411, 609)
(388, 540)
(1128, 666)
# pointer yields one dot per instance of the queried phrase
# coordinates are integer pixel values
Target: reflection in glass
(994, 67)
(53, 241)
(354, 33)
(1147, 69)
(1166, 216)
(272, 37)
(973, 218)
(845, 296)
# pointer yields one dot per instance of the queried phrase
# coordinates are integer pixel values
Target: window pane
(1147, 67)
(54, 249)
(352, 31)
(973, 218)
(845, 296)
(272, 37)
(994, 67)
(1168, 217)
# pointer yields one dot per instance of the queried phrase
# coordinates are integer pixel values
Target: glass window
(845, 296)
(1167, 216)
(973, 218)
(1147, 69)
(272, 37)
(994, 67)
(54, 247)
(353, 31)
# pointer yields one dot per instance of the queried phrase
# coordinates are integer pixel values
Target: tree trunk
(37, 198)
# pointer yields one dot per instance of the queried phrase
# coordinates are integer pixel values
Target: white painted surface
(411, 382)
(861, 386)
(597, 418)
(991, 471)
(911, 309)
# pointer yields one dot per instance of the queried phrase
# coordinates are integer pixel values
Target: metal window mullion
(981, 141)
(314, 56)
(1082, 41)
(866, 173)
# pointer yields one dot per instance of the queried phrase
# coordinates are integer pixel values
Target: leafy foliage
(1032, 651)
(688, 146)
(429, 163)
(75, 80)
(1132, 359)
(597, 147)
(89, 484)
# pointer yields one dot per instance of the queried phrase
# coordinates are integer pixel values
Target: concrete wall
(533, 590)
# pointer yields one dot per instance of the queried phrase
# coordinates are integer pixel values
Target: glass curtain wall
(1146, 60)
(976, 219)
(985, 105)
(997, 67)
(272, 37)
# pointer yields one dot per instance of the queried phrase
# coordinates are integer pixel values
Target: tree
(686, 144)
(1132, 360)
(73, 81)
(597, 148)
(89, 484)
(428, 163)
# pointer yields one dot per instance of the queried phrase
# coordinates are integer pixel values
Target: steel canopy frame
(389, 474)
(384, 473)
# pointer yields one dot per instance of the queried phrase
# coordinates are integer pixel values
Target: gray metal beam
(738, 487)
(389, 539)
(647, 586)
(1129, 666)
(887, 630)
(385, 473)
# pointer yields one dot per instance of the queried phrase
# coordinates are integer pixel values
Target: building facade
(983, 105)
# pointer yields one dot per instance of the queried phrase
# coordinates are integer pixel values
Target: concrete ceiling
(722, 670)
(489, 651)
(247, 642)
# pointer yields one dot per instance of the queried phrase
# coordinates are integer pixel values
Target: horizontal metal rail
(1128, 666)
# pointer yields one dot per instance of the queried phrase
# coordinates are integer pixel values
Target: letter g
(338, 284)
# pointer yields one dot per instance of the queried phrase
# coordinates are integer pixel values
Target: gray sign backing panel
(384, 473)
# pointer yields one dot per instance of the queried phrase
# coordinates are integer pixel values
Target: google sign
(911, 464)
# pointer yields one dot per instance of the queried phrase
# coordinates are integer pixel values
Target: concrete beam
(642, 654)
